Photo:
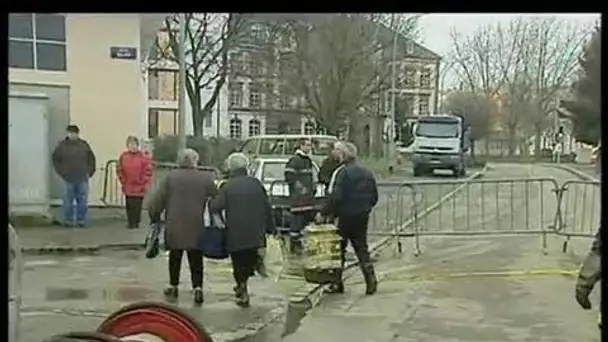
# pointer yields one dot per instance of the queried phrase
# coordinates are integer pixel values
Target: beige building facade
(89, 66)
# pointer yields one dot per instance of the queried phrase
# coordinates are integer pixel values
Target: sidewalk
(64, 292)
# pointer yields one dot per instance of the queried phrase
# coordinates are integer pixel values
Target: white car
(271, 172)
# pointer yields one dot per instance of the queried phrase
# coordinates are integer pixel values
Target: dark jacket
(182, 196)
(330, 164)
(74, 160)
(299, 178)
(591, 270)
(247, 212)
(354, 192)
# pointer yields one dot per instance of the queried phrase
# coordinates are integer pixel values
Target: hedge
(212, 151)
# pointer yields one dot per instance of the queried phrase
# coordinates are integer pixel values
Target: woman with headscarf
(182, 196)
(246, 210)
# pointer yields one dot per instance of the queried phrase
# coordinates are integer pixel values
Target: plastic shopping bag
(155, 240)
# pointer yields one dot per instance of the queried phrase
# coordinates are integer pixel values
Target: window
(272, 146)
(410, 76)
(236, 62)
(236, 94)
(423, 105)
(425, 78)
(249, 64)
(37, 41)
(208, 119)
(257, 34)
(250, 147)
(255, 96)
(152, 123)
(309, 128)
(283, 127)
(163, 85)
(254, 127)
(235, 128)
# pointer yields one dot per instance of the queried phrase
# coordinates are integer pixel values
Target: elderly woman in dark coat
(182, 195)
(246, 208)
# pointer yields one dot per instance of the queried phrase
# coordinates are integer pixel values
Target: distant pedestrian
(134, 171)
(351, 199)
(182, 196)
(74, 161)
(248, 219)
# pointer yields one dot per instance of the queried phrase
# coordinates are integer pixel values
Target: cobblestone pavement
(467, 288)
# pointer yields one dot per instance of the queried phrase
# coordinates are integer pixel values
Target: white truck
(440, 142)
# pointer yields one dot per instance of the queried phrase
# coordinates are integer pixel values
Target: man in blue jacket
(353, 195)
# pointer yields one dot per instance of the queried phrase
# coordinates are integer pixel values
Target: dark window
(50, 27)
(50, 56)
(152, 123)
(20, 26)
(21, 54)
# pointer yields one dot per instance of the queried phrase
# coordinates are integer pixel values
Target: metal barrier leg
(565, 244)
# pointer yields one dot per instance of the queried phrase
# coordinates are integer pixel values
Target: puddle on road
(121, 294)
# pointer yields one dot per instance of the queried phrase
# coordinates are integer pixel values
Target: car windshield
(437, 129)
(275, 171)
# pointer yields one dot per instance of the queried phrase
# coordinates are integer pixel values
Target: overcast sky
(435, 28)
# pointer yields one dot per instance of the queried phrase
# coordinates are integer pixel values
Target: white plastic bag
(216, 220)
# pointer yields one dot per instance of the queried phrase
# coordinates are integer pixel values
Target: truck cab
(440, 142)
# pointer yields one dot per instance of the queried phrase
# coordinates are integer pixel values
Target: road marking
(502, 273)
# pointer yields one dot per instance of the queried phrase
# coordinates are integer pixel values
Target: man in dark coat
(246, 209)
(74, 161)
(330, 164)
(302, 188)
(591, 270)
(182, 196)
(351, 199)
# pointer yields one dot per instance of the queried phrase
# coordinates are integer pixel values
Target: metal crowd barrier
(486, 207)
(579, 210)
(112, 196)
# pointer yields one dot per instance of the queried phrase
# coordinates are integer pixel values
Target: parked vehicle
(440, 142)
(271, 172)
(285, 144)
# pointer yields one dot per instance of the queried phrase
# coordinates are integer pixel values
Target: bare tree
(554, 46)
(476, 110)
(209, 37)
(337, 63)
(526, 62)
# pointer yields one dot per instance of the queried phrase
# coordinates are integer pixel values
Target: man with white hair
(353, 194)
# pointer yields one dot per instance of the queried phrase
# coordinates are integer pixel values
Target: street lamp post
(182, 81)
(391, 131)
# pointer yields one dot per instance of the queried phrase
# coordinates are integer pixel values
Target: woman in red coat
(134, 171)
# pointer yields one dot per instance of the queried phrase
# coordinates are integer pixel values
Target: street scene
(289, 177)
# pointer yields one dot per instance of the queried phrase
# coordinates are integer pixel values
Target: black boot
(371, 282)
(171, 293)
(241, 295)
(198, 296)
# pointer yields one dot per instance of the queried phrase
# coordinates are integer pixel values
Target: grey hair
(348, 150)
(187, 158)
(236, 161)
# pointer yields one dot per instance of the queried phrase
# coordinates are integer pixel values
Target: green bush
(212, 151)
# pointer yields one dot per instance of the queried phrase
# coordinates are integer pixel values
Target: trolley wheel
(167, 322)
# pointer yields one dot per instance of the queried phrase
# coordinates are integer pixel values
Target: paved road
(469, 288)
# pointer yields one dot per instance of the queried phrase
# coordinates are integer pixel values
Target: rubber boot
(171, 293)
(198, 296)
(371, 282)
(241, 295)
